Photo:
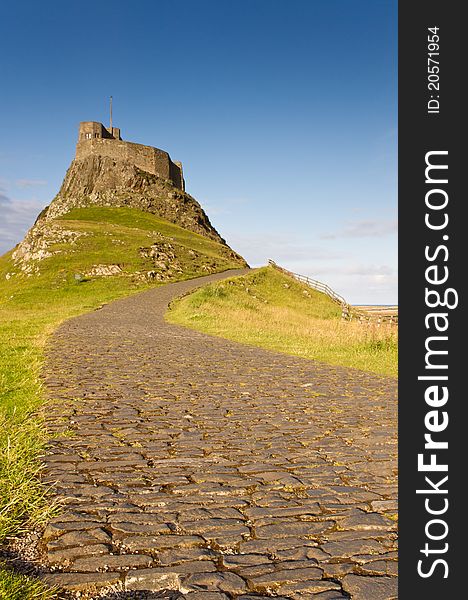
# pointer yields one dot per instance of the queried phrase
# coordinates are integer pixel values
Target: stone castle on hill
(96, 140)
(113, 173)
(110, 172)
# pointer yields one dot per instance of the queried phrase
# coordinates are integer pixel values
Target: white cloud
(369, 270)
(258, 248)
(28, 183)
(16, 217)
(358, 281)
(224, 206)
(364, 228)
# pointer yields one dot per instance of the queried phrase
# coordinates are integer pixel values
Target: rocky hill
(103, 181)
(100, 182)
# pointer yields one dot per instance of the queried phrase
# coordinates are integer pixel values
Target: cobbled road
(194, 467)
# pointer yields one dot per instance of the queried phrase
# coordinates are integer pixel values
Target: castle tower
(92, 130)
(96, 140)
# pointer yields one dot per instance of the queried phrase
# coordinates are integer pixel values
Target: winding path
(214, 469)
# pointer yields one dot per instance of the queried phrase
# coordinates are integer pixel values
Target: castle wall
(176, 176)
(149, 159)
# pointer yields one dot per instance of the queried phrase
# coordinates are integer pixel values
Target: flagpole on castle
(110, 115)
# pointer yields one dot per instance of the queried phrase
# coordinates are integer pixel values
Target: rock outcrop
(102, 181)
(106, 182)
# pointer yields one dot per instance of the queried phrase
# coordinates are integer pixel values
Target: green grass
(31, 307)
(19, 587)
(271, 310)
(115, 236)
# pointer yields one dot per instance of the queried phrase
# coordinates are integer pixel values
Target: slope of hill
(66, 266)
(105, 241)
(103, 181)
(269, 309)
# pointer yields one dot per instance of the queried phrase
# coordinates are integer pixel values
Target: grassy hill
(269, 309)
(93, 255)
(55, 278)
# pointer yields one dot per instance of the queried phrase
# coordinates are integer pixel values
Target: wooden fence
(347, 311)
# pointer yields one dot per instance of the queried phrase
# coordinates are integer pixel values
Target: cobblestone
(198, 468)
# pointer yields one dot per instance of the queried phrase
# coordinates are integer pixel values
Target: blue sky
(284, 115)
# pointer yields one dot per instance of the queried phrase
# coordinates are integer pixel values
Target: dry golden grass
(268, 309)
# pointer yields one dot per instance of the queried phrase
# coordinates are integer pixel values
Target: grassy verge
(271, 310)
(31, 307)
(20, 587)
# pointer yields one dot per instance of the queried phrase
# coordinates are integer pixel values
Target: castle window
(88, 136)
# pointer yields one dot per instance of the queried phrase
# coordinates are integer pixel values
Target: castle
(96, 140)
